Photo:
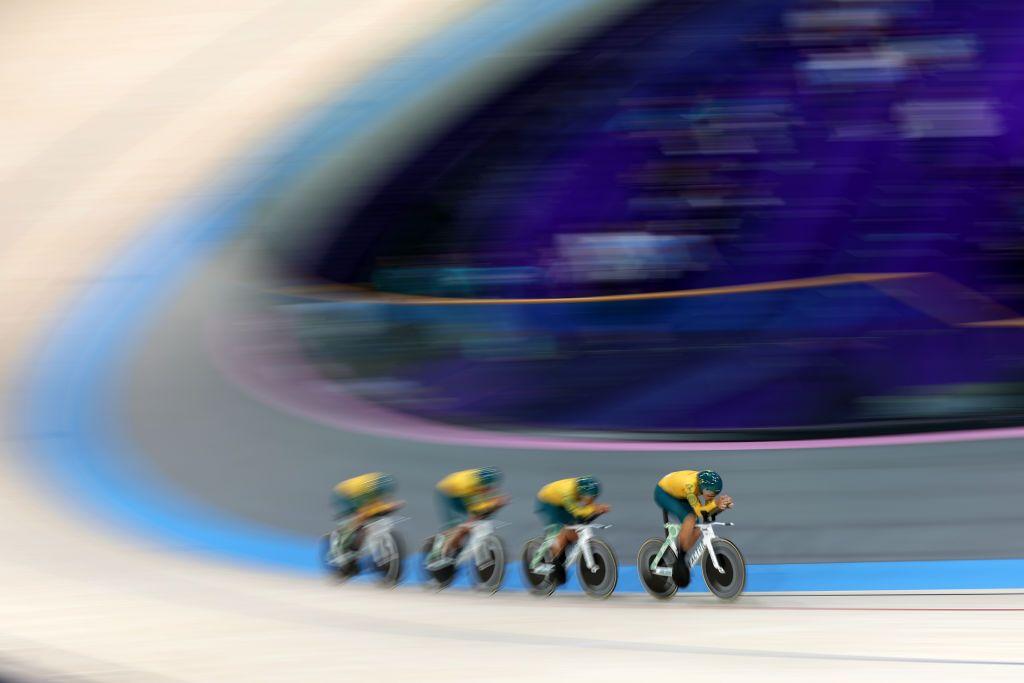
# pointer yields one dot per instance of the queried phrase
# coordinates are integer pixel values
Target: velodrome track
(100, 587)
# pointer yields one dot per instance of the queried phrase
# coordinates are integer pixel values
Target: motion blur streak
(745, 142)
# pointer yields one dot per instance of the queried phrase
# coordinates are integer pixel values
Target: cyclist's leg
(449, 515)
(346, 515)
(681, 510)
(566, 536)
(554, 524)
(687, 537)
(549, 515)
(456, 528)
(688, 532)
(550, 530)
(556, 520)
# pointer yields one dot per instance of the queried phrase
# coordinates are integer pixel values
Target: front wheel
(489, 569)
(600, 581)
(658, 586)
(388, 558)
(538, 584)
(728, 583)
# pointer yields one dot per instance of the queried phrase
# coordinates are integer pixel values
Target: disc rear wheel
(538, 584)
(328, 551)
(441, 577)
(658, 586)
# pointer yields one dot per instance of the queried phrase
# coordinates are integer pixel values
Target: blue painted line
(948, 575)
(71, 384)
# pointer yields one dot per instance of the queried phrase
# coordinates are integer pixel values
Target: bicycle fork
(588, 555)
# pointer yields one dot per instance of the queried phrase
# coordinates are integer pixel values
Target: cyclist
(679, 494)
(465, 497)
(360, 498)
(565, 502)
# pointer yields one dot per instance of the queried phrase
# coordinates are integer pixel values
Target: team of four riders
(468, 497)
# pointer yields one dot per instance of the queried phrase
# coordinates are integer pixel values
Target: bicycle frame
(694, 555)
(584, 533)
(373, 544)
(473, 548)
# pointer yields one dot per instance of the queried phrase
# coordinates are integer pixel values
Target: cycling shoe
(681, 573)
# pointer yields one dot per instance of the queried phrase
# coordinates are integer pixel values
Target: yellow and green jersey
(466, 486)
(359, 493)
(564, 493)
(684, 486)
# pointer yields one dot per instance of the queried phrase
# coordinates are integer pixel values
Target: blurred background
(712, 221)
(254, 248)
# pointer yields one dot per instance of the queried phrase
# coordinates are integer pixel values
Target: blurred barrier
(575, 252)
(844, 355)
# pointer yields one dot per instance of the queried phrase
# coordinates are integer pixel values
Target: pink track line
(265, 363)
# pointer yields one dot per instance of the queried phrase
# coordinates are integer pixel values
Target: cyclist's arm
(708, 510)
(481, 506)
(701, 509)
(379, 507)
(579, 511)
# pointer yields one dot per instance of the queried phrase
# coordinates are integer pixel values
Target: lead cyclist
(685, 495)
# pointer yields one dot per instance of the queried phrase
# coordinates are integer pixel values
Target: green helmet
(489, 476)
(709, 481)
(588, 486)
